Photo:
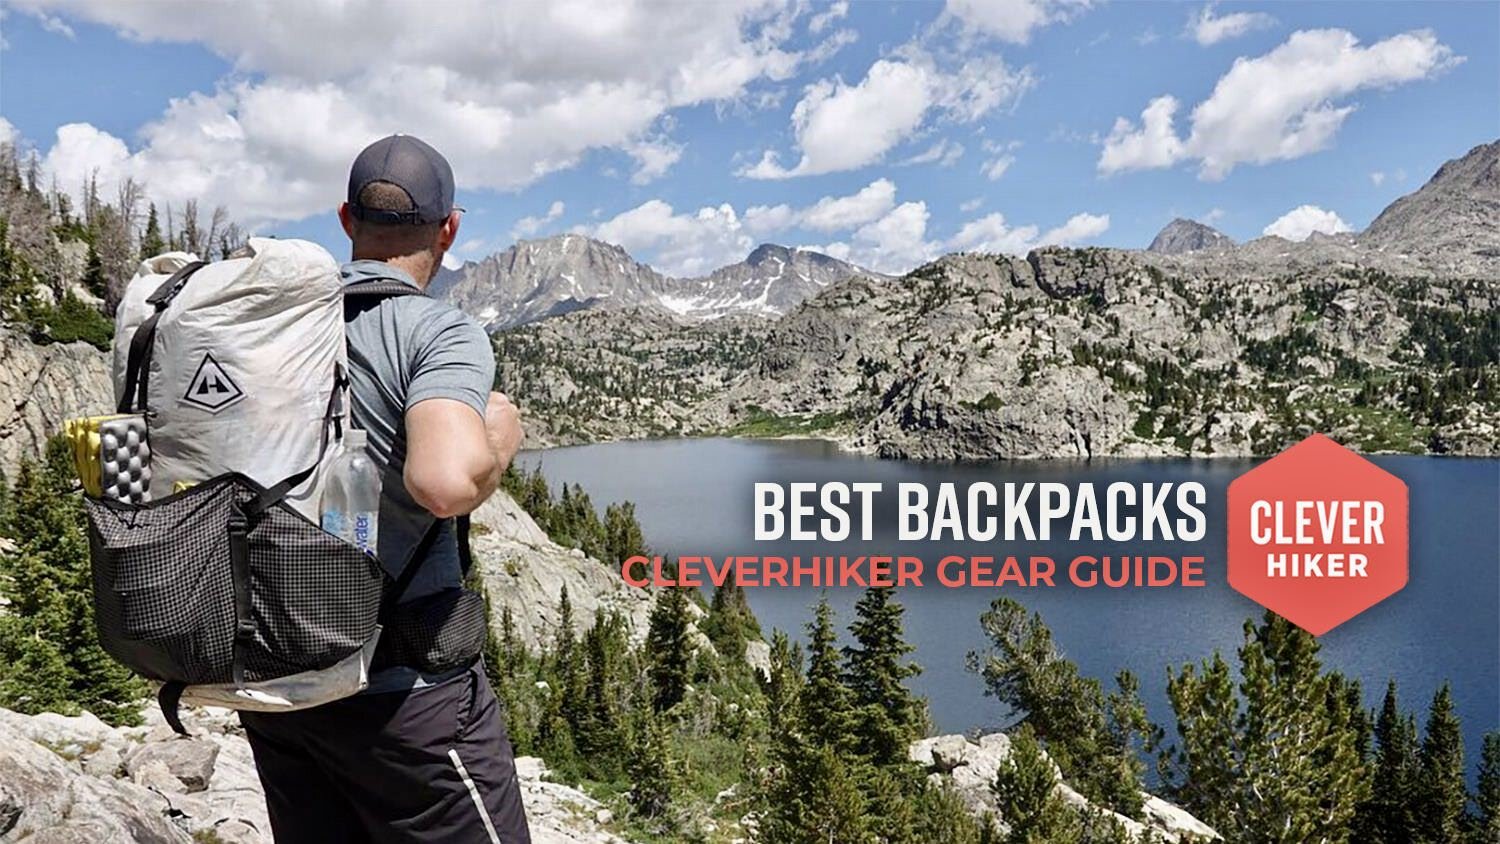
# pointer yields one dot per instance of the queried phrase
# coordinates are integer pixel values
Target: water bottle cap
(354, 438)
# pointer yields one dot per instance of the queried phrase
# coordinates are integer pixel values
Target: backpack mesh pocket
(435, 633)
(165, 591)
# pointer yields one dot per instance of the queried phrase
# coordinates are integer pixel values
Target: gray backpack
(221, 585)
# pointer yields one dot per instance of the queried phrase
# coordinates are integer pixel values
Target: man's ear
(448, 231)
(346, 219)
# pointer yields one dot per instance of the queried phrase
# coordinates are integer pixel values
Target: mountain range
(1450, 226)
(1387, 341)
(536, 279)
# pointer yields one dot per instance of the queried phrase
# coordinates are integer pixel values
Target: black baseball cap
(410, 164)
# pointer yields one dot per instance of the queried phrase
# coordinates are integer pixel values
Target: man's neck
(419, 267)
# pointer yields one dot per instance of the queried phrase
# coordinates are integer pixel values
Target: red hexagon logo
(1317, 534)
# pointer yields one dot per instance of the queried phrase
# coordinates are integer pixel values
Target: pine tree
(1385, 818)
(817, 788)
(1281, 764)
(152, 243)
(669, 649)
(730, 624)
(783, 684)
(622, 532)
(1091, 737)
(93, 274)
(651, 768)
(1025, 793)
(565, 640)
(817, 799)
(566, 704)
(50, 658)
(1487, 822)
(598, 733)
(875, 671)
(1440, 795)
(941, 815)
(823, 703)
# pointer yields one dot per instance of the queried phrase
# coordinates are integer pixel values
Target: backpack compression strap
(138, 365)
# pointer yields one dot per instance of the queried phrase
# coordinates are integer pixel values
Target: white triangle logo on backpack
(211, 388)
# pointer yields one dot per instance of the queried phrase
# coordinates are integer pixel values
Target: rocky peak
(766, 252)
(1180, 236)
(536, 279)
(1451, 219)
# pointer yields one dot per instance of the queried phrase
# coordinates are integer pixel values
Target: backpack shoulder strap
(380, 288)
(390, 288)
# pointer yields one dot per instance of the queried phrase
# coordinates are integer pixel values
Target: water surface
(695, 497)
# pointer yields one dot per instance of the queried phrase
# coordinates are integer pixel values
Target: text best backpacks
(221, 585)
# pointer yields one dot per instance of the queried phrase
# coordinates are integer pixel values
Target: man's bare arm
(453, 458)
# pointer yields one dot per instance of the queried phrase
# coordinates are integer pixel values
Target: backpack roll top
(242, 366)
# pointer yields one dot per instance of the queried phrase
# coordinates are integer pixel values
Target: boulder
(969, 767)
(189, 760)
(44, 798)
(175, 790)
(41, 385)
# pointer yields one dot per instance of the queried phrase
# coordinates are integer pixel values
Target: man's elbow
(446, 497)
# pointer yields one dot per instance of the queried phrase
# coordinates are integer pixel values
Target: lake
(695, 497)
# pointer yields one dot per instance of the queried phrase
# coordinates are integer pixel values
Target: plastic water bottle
(351, 495)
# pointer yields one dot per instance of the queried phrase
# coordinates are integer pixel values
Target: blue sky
(886, 133)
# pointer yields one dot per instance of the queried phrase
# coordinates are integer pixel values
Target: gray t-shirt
(402, 351)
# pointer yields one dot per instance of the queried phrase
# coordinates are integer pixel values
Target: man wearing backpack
(418, 756)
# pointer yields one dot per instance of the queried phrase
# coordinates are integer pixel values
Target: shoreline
(847, 443)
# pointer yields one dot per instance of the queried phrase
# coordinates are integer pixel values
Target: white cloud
(507, 97)
(1207, 28)
(839, 126)
(653, 159)
(1279, 106)
(944, 153)
(1300, 223)
(529, 226)
(1078, 228)
(1380, 177)
(57, 26)
(885, 237)
(1154, 144)
(761, 220)
(991, 233)
(81, 153)
(996, 167)
(680, 244)
(1213, 215)
(835, 213)
(831, 213)
(8, 133)
(1012, 20)
(969, 205)
(821, 21)
(892, 244)
(1377, 178)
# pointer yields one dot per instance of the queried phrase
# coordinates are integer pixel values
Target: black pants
(430, 765)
